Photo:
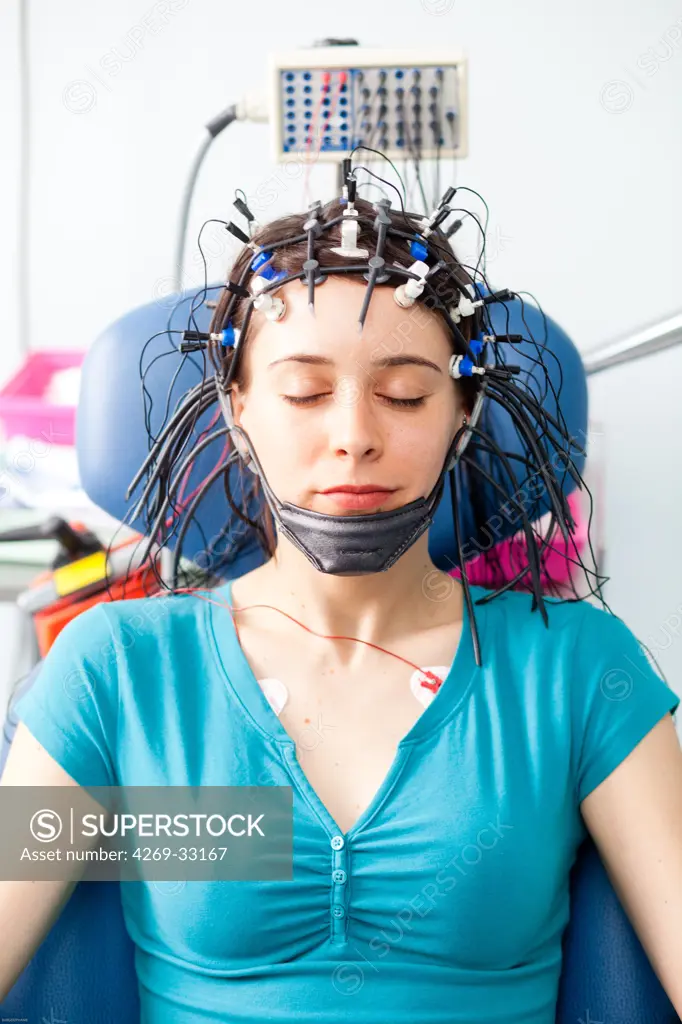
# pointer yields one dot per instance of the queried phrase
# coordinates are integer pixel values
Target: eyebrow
(385, 361)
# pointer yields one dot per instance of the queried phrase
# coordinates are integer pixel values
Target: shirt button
(337, 842)
(339, 875)
(338, 911)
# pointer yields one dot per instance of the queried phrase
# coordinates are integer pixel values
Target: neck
(412, 595)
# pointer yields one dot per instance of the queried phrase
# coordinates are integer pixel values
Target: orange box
(50, 621)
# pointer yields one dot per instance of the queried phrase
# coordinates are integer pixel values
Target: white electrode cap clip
(407, 293)
(349, 236)
(272, 307)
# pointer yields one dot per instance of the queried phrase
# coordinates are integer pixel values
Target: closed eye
(405, 402)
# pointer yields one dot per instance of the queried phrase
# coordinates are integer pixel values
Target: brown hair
(290, 259)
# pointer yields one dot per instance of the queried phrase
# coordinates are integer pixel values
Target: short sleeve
(72, 706)
(617, 697)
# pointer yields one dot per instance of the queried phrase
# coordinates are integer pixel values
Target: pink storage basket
(23, 409)
(554, 563)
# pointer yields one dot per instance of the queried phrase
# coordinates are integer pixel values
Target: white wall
(640, 409)
(575, 143)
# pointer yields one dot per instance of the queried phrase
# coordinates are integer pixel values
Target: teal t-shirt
(446, 901)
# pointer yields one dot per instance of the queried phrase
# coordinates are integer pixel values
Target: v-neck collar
(242, 681)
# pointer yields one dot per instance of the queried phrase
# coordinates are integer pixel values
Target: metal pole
(655, 338)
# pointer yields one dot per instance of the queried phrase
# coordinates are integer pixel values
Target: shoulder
(515, 618)
(583, 648)
(579, 629)
(111, 636)
(582, 687)
(150, 621)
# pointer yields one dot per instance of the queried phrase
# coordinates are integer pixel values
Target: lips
(358, 489)
(358, 499)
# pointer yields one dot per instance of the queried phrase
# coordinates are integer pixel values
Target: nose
(353, 426)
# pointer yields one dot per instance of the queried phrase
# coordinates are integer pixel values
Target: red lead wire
(432, 682)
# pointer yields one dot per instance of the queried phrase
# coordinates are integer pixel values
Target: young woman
(436, 817)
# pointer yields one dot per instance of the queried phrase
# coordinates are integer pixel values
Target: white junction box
(405, 103)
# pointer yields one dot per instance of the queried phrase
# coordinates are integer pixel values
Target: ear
(238, 400)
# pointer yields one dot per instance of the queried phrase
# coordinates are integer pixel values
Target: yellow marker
(80, 574)
(84, 576)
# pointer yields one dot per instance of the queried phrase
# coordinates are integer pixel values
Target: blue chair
(84, 970)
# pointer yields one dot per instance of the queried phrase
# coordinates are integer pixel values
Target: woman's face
(323, 407)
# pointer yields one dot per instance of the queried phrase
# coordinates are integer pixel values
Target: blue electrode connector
(259, 260)
(227, 336)
(418, 250)
(476, 344)
(269, 273)
(462, 366)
